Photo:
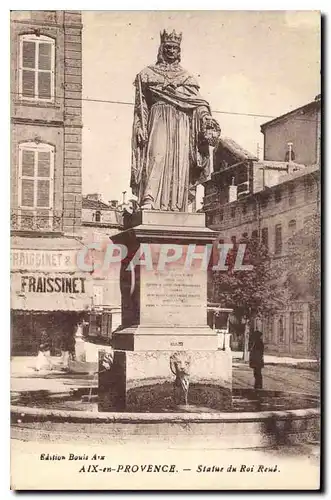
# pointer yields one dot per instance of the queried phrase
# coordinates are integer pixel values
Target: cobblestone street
(279, 378)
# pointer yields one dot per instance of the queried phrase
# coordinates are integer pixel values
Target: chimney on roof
(113, 203)
(258, 151)
(290, 151)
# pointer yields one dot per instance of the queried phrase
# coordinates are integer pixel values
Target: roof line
(281, 117)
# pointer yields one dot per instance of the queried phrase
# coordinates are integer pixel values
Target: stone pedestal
(143, 380)
(164, 306)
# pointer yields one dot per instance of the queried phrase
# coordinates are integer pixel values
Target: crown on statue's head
(172, 37)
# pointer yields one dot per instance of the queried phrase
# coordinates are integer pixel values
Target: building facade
(48, 290)
(269, 200)
(301, 128)
(100, 221)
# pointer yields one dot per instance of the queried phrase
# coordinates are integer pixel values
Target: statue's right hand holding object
(211, 130)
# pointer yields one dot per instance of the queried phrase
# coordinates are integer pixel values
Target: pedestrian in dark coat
(256, 358)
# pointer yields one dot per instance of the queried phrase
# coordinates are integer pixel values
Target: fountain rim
(40, 414)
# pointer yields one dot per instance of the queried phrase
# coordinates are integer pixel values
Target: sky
(246, 62)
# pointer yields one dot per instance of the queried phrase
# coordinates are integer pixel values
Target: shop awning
(45, 275)
(36, 291)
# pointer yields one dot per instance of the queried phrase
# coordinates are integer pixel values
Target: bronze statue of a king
(172, 131)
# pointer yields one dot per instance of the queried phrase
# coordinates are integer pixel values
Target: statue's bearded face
(171, 52)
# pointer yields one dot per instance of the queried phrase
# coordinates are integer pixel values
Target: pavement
(279, 374)
(24, 376)
(270, 359)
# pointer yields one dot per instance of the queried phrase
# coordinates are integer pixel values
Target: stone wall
(294, 199)
(256, 212)
(59, 122)
(72, 182)
(300, 128)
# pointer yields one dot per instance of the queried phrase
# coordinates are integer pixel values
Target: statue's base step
(133, 380)
(166, 218)
(167, 338)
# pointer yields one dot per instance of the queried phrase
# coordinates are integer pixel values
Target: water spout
(180, 363)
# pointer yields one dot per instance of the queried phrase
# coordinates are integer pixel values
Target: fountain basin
(180, 427)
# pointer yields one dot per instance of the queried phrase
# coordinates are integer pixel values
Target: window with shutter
(43, 193)
(44, 163)
(27, 163)
(278, 239)
(265, 237)
(37, 64)
(35, 187)
(27, 193)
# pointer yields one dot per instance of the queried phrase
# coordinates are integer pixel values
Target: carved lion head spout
(106, 360)
(180, 365)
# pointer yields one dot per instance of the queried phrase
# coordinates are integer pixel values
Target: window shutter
(29, 55)
(44, 164)
(45, 56)
(27, 192)
(27, 163)
(278, 238)
(44, 85)
(28, 83)
(36, 183)
(42, 193)
(265, 236)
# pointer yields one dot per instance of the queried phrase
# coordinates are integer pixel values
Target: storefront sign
(43, 260)
(51, 284)
(50, 291)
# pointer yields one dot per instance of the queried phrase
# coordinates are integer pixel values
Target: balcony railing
(36, 220)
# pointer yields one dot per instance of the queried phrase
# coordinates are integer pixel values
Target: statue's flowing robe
(168, 166)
